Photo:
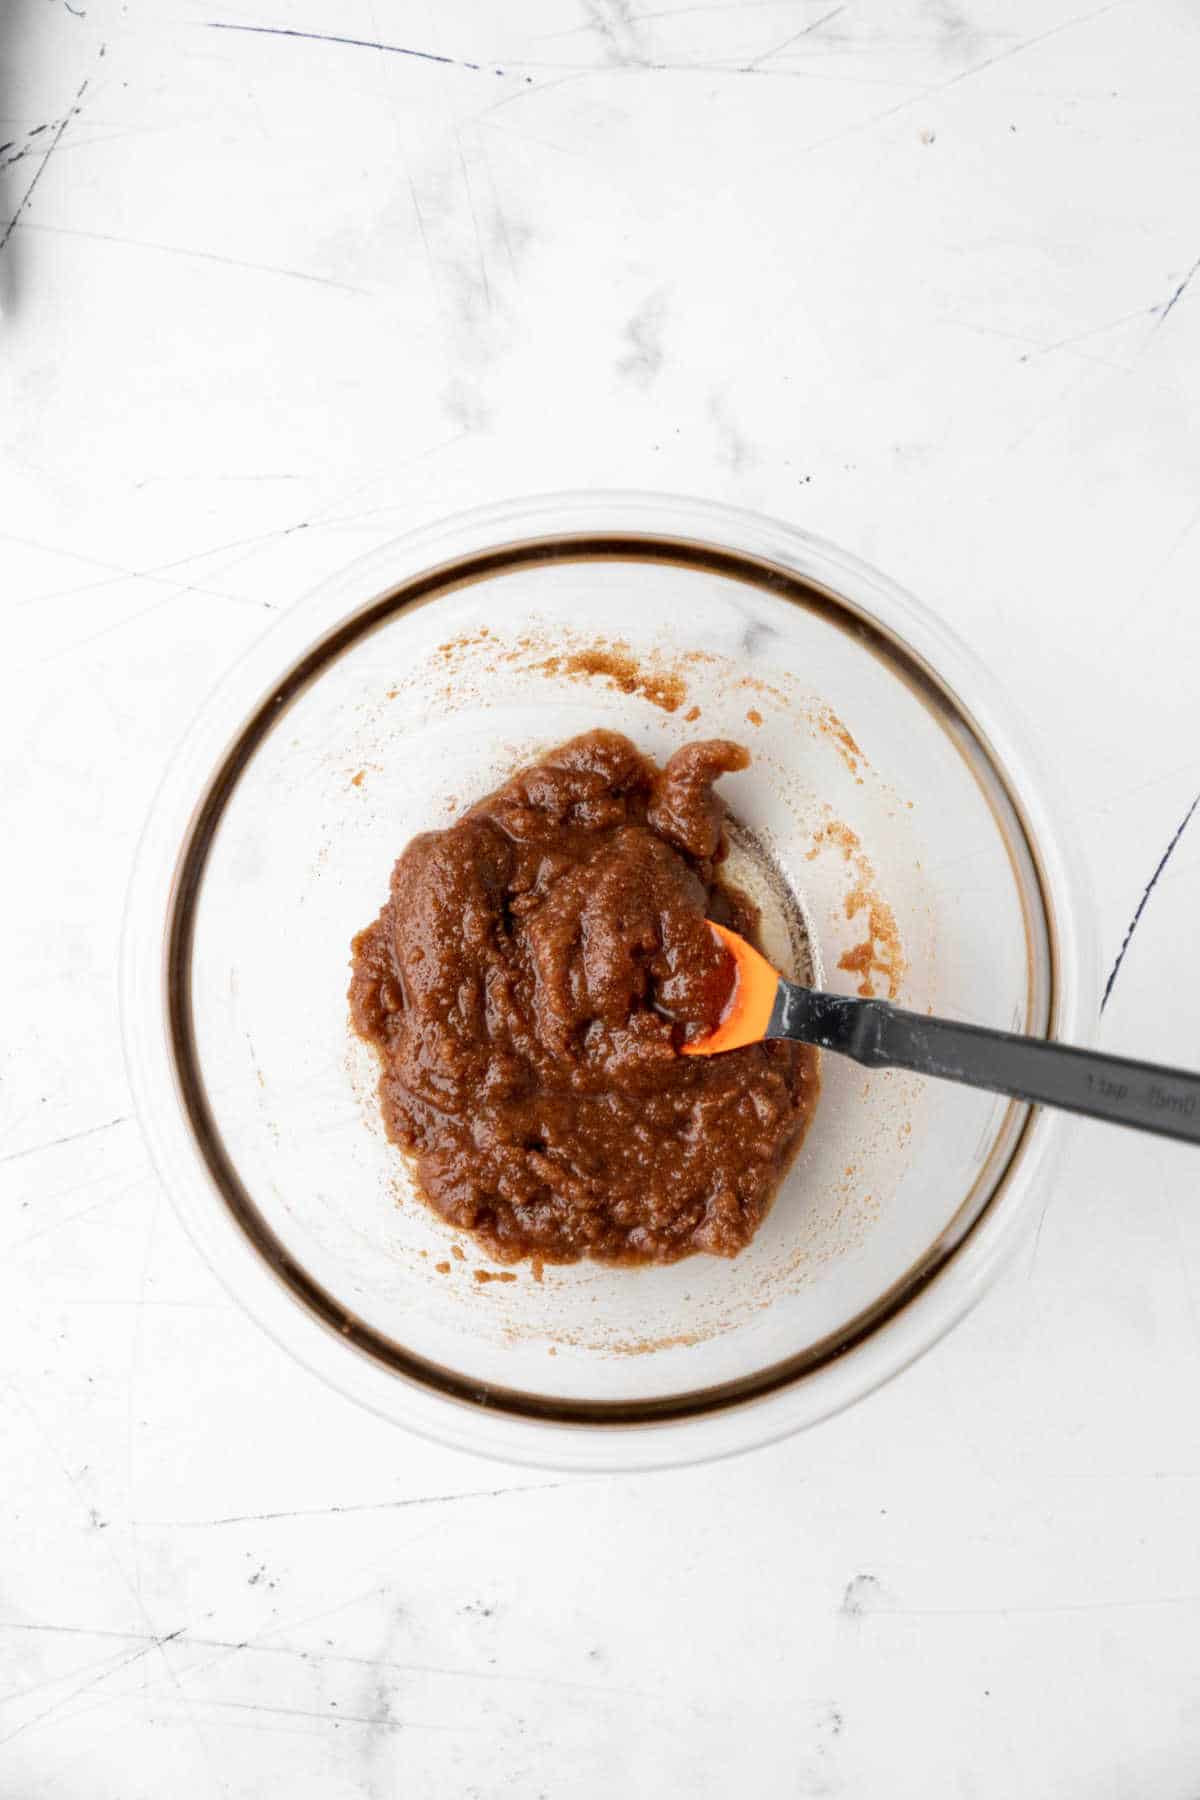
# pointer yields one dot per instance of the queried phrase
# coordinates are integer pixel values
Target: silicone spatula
(763, 1005)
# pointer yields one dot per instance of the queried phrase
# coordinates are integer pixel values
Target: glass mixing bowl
(889, 800)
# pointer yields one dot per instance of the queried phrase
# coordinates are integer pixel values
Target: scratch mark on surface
(483, 273)
(778, 49)
(86, 1687)
(1030, 43)
(1081, 337)
(131, 1386)
(1032, 348)
(964, 75)
(107, 1663)
(788, 72)
(230, 262)
(1153, 582)
(151, 1636)
(117, 572)
(1058, 403)
(72, 1137)
(83, 1212)
(1115, 795)
(420, 217)
(73, 1189)
(252, 544)
(333, 37)
(27, 196)
(542, 87)
(1180, 291)
(213, 1306)
(376, 1721)
(1037, 1242)
(29, 148)
(94, 637)
(255, 540)
(672, 12)
(324, 1512)
(319, 1657)
(1163, 860)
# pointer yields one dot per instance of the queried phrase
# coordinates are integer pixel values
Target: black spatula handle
(882, 1036)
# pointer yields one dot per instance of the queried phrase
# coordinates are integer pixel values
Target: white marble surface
(918, 275)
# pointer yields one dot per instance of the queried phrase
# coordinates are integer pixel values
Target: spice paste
(528, 986)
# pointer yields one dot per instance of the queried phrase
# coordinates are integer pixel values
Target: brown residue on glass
(834, 832)
(830, 725)
(616, 664)
(466, 640)
(879, 957)
(880, 953)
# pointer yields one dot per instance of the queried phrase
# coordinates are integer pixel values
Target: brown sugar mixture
(527, 988)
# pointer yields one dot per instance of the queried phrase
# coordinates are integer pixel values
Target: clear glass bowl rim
(955, 1279)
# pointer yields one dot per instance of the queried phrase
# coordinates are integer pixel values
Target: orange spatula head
(746, 1017)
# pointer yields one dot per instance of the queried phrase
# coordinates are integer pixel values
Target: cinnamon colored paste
(528, 986)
